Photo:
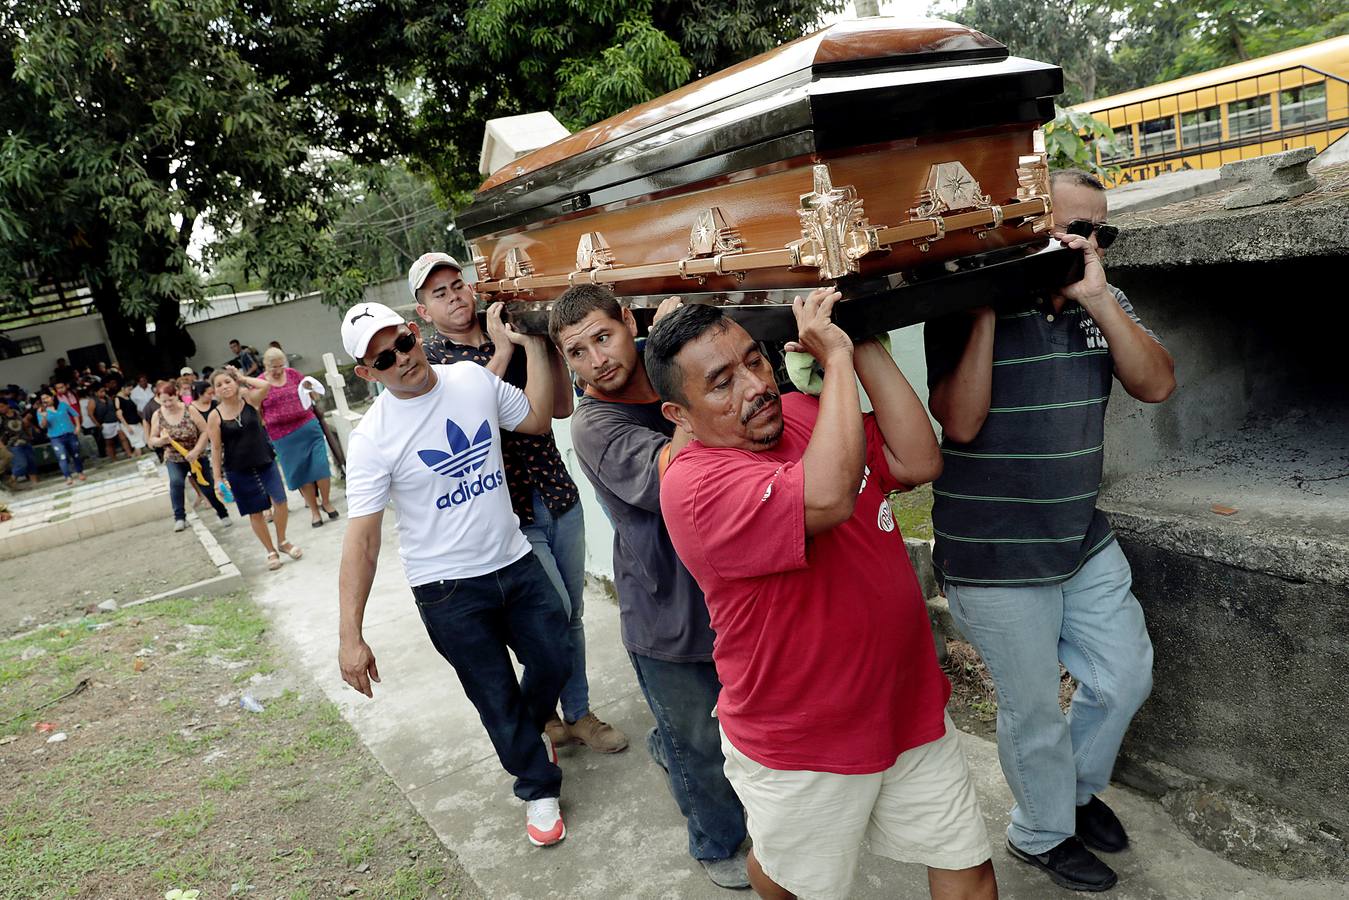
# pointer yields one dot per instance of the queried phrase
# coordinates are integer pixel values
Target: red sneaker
(543, 822)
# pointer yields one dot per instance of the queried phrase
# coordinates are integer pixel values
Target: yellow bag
(194, 464)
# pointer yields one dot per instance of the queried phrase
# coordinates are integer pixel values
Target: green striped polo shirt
(1017, 505)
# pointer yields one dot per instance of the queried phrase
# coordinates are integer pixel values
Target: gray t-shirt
(1017, 505)
(661, 609)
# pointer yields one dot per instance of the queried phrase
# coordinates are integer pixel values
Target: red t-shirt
(822, 645)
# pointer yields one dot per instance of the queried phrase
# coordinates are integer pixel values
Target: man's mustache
(764, 400)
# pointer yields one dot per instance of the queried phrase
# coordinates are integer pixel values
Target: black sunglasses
(386, 358)
(1105, 234)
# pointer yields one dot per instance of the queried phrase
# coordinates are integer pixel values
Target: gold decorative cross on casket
(835, 233)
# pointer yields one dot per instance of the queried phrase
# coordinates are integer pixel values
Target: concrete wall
(58, 339)
(1249, 687)
(1238, 346)
(304, 326)
(1248, 613)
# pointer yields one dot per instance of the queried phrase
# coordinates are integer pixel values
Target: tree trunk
(130, 345)
(173, 345)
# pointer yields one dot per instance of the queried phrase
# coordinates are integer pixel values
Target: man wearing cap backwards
(432, 443)
(542, 493)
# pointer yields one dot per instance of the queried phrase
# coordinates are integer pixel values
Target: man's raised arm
(834, 458)
(960, 399)
(910, 446)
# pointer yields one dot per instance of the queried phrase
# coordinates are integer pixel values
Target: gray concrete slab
(1172, 187)
(626, 838)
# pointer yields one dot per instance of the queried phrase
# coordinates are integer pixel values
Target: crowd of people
(248, 414)
(767, 603)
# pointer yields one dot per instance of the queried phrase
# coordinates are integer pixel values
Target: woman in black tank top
(242, 459)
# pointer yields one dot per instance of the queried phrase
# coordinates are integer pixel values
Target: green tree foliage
(1109, 46)
(1075, 36)
(583, 60)
(1071, 138)
(127, 125)
(1161, 41)
(395, 222)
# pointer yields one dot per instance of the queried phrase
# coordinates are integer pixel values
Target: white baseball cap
(361, 322)
(424, 266)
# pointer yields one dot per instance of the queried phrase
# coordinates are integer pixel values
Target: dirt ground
(130, 563)
(164, 781)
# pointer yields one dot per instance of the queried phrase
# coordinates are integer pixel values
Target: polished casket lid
(857, 82)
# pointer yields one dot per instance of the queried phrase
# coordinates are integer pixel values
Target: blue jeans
(1094, 625)
(473, 623)
(179, 473)
(682, 697)
(560, 545)
(24, 462)
(67, 450)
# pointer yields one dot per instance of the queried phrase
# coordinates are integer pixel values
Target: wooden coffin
(878, 154)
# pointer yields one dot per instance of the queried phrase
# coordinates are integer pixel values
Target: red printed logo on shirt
(885, 518)
(768, 491)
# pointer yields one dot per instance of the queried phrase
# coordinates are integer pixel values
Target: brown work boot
(558, 732)
(597, 735)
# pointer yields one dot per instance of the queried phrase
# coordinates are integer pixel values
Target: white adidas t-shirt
(438, 457)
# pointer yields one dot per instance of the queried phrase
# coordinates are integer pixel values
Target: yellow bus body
(1296, 98)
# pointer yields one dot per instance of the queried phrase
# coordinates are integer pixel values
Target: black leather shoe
(1070, 865)
(1099, 827)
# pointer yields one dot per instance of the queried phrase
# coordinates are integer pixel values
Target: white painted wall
(304, 326)
(58, 339)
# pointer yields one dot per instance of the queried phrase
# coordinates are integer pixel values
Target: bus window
(1157, 136)
(1203, 126)
(1118, 150)
(1250, 116)
(1305, 105)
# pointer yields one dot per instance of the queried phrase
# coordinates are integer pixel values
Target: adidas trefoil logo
(465, 456)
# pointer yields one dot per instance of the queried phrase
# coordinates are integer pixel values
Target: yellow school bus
(1297, 98)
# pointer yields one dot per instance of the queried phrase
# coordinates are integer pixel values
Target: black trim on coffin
(870, 307)
(834, 121)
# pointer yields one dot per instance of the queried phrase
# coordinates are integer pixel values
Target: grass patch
(913, 512)
(225, 781)
(186, 824)
(130, 806)
(411, 883)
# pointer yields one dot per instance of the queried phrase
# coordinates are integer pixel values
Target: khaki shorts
(808, 827)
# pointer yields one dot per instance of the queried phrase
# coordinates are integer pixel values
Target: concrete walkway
(625, 835)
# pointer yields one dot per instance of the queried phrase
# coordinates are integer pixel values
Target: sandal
(273, 561)
(332, 513)
(316, 523)
(291, 550)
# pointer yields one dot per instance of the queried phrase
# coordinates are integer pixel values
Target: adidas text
(467, 490)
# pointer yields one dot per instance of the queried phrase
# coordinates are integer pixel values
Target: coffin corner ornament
(480, 265)
(518, 264)
(834, 233)
(711, 235)
(592, 252)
